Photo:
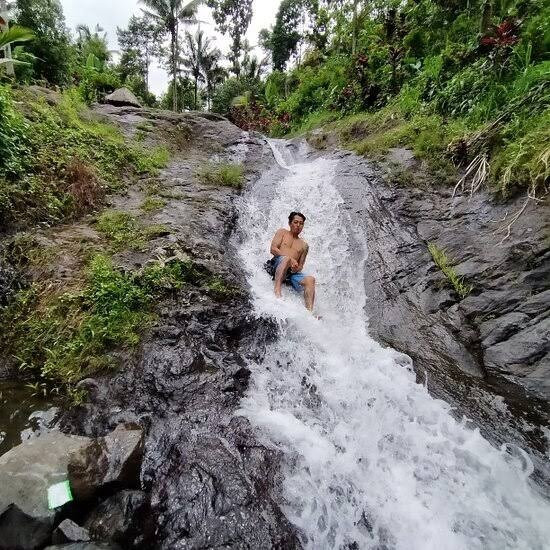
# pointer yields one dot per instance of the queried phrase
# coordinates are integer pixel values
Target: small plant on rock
(222, 173)
(444, 263)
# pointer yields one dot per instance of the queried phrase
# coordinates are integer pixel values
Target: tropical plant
(195, 49)
(9, 37)
(168, 14)
(233, 17)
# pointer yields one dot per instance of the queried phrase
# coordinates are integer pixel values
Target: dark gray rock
(111, 460)
(69, 531)
(20, 531)
(85, 546)
(208, 477)
(501, 328)
(124, 518)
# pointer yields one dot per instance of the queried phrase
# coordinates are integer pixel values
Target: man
(290, 253)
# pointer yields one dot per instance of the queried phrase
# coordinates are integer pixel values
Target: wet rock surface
(113, 460)
(22, 531)
(487, 354)
(124, 518)
(68, 531)
(205, 481)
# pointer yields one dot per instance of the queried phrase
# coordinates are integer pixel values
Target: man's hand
(294, 265)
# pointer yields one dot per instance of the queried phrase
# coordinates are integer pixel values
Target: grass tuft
(444, 263)
(221, 173)
(150, 204)
(124, 231)
(64, 337)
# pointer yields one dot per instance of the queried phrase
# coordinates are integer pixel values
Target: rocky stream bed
(157, 455)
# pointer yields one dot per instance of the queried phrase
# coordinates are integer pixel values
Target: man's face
(296, 225)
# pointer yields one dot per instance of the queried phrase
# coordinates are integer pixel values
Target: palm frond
(15, 34)
(189, 9)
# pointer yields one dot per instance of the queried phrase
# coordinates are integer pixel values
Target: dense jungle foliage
(462, 81)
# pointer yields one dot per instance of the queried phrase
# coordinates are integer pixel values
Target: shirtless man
(290, 253)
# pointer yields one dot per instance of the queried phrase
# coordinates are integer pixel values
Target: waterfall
(371, 459)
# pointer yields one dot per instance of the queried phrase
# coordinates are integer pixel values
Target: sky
(111, 14)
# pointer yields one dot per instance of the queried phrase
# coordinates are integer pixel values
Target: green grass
(61, 159)
(64, 337)
(443, 261)
(150, 204)
(123, 230)
(221, 173)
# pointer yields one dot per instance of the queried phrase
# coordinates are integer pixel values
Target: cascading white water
(372, 460)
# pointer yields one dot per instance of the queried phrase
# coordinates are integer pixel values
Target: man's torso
(291, 246)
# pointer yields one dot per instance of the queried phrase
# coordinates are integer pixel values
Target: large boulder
(122, 97)
(113, 460)
(26, 471)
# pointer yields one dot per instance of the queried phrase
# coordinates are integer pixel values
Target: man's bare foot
(278, 293)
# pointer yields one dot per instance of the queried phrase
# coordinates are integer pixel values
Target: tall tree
(285, 35)
(195, 49)
(168, 14)
(233, 17)
(51, 46)
(214, 73)
(138, 44)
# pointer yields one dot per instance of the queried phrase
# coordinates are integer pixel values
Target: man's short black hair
(292, 214)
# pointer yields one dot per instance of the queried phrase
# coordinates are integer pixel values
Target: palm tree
(197, 48)
(168, 14)
(213, 72)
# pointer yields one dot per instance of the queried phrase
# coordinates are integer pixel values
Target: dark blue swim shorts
(293, 278)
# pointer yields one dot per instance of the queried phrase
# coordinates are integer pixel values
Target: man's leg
(309, 291)
(280, 274)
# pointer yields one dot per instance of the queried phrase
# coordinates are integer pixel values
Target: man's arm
(277, 242)
(302, 258)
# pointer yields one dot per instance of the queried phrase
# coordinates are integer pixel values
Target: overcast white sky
(111, 14)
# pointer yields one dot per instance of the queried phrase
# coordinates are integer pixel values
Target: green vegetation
(58, 161)
(444, 263)
(462, 84)
(124, 231)
(221, 173)
(218, 287)
(64, 337)
(150, 204)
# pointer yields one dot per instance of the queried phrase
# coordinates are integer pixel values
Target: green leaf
(15, 34)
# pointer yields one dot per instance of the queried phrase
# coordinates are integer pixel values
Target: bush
(13, 141)
(96, 84)
(226, 93)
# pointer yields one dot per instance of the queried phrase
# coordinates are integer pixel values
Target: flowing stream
(371, 459)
